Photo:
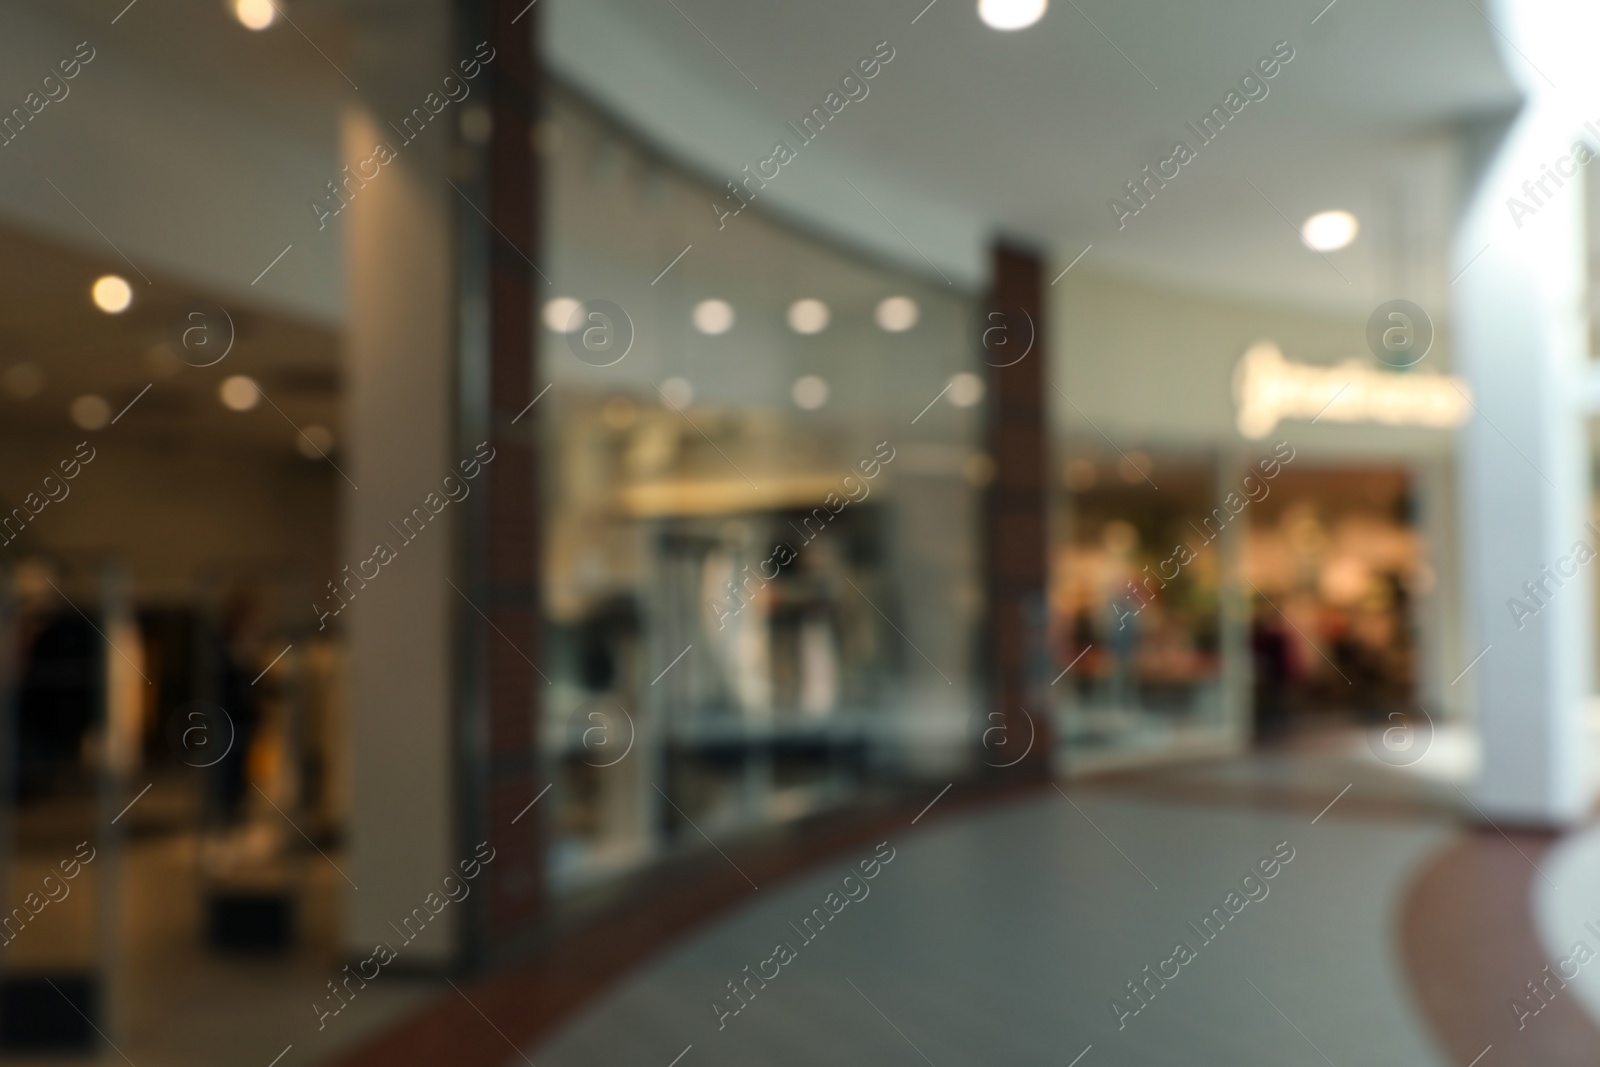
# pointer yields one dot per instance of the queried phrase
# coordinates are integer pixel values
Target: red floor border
(1467, 937)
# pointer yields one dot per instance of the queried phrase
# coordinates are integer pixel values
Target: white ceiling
(969, 132)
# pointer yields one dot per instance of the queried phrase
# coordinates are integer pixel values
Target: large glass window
(761, 535)
(1135, 610)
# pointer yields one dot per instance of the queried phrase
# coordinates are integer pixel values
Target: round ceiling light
(90, 412)
(809, 392)
(1329, 231)
(558, 314)
(896, 314)
(713, 316)
(239, 393)
(314, 442)
(254, 14)
(966, 389)
(111, 293)
(1011, 14)
(677, 392)
(808, 316)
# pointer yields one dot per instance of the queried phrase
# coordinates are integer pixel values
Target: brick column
(1015, 526)
(499, 686)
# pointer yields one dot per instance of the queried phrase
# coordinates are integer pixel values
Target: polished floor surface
(1005, 937)
(1400, 932)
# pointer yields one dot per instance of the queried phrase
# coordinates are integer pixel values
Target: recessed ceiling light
(809, 392)
(254, 14)
(966, 389)
(1329, 231)
(558, 314)
(1011, 14)
(239, 393)
(808, 316)
(896, 314)
(111, 294)
(713, 316)
(677, 392)
(90, 412)
(314, 442)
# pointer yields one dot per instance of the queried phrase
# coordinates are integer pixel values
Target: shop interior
(741, 565)
(787, 526)
(1313, 582)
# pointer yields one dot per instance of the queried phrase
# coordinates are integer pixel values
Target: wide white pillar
(1520, 334)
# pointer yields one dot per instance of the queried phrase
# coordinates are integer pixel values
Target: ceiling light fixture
(809, 392)
(677, 392)
(255, 14)
(808, 316)
(965, 389)
(90, 412)
(314, 442)
(1011, 14)
(112, 294)
(1329, 231)
(713, 316)
(558, 314)
(239, 393)
(896, 314)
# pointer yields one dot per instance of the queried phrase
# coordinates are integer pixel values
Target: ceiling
(968, 132)
(48, 322)
(283, 81)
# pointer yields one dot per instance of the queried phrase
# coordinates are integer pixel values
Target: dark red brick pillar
(1015, 550)
(500, 686)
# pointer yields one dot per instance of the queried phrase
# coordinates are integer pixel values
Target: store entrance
(1335, 563)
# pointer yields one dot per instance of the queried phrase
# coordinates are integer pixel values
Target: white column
(1519, 323)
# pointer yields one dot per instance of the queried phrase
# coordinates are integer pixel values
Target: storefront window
(1328, 566)
(743, 580)
(1336, 565)
(1135, 618)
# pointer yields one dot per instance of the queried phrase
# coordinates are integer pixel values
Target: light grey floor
(1001, 939)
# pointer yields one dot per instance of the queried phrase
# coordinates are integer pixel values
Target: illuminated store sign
(1268, 388)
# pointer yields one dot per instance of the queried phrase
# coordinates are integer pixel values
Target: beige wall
(1154, 366)
(399, 430)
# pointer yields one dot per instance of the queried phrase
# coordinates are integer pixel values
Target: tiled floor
(1397, 934)
(1004, 937)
